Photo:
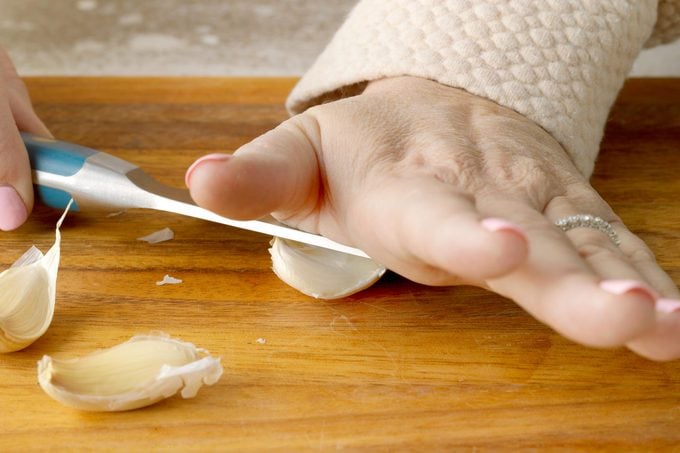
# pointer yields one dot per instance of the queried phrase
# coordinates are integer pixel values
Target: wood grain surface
(397, 367)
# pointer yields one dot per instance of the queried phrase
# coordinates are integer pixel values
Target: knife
(96, 180)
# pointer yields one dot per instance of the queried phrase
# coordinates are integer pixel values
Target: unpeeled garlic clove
(320, 272)
(134, 374)
(28, 294)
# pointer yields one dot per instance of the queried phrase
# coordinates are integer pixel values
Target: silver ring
(589, 221)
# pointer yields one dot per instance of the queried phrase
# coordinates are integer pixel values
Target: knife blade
(96, 180)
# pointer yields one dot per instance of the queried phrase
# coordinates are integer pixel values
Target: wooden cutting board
(398, 367)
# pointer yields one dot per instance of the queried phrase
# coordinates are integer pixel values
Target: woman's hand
(447, 188)
(16, 114)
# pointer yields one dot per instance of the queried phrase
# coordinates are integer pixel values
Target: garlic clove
(28, 294)
(320, 272)
(133, 374)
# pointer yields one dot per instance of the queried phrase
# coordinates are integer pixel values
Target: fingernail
(494, 224)
(667, 305)
(216, 157)
(620, 287)
(12, 209)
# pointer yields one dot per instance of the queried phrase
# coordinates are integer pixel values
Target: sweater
(559, 63)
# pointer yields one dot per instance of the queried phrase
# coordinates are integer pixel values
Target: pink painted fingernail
(620, 287)
(12, 209)
(216, 157)
(494, 224)
(667, 305)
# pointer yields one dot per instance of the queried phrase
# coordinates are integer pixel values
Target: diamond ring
(588, 221)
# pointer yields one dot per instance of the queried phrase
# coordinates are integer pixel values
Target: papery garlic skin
(166, 234)
(168, 280)
(28, 295)
(320, 272)
(131, 375)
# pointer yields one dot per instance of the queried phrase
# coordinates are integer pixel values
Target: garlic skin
(28, 294)
(166, 234)
(320, 272)
(168, 280)
(133, 374)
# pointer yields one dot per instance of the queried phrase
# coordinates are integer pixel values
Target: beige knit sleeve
(560, 63)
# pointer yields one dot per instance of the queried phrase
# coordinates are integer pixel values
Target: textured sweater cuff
(559, 63)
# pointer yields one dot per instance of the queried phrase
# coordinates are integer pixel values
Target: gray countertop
(174, 37)
(190, 37)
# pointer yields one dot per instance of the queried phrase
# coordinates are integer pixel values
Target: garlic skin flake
(28, 294)
(168, 280)
(133, 374)
(320, 272)
(166, 234)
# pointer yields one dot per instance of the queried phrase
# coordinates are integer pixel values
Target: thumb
(16, 190)
(16, 113)
(277, 172)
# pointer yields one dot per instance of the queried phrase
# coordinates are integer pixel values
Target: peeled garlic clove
(28, 294)
(320, 272)
(134, 374)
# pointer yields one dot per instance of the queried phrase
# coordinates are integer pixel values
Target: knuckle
(592, 244)
(525, 176)
(447, 156)
(641, 255)
(537, 185)
(462, 171)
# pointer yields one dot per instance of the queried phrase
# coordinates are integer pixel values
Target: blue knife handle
(53, 156)
(93, 179)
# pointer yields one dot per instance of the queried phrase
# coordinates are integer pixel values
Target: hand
(447, 188)
(16, 114)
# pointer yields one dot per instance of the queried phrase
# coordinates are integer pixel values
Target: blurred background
(191, 37)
